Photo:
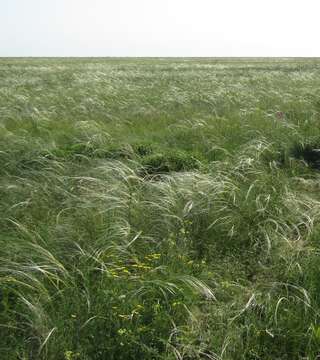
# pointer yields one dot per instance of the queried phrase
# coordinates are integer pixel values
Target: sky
(160, 28)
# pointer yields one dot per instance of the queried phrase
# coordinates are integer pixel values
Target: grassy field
(159, 209)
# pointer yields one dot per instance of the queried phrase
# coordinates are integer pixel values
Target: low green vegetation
(159, 209)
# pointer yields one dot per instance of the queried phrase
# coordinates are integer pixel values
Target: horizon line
(156, 57)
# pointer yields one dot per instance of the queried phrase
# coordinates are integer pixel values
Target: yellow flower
(176, 303)
(70, 355)
(122, 331)
(153, 256)
(114, 274)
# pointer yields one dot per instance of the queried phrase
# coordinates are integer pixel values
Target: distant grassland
(159, 209)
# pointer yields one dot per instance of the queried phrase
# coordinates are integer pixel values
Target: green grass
(159, 209)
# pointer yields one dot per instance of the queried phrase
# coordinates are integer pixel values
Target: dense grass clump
(171, 161)
(308, 152)
(159, 209)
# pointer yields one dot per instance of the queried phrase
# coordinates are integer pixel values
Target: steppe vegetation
(159, 209)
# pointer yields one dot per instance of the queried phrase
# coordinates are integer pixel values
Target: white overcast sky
(159, 28)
